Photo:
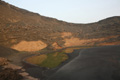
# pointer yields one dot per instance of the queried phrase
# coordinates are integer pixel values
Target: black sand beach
(100, 63)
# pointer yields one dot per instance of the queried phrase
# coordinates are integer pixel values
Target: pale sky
(75, 11)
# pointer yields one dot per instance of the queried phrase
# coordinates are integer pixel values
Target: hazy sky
(75, 11)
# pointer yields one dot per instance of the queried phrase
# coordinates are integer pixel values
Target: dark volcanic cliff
(20, 28)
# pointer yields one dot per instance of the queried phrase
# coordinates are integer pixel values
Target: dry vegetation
(18, 25)
(36, 59)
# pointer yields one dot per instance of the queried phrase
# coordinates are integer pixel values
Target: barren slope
(19, 25)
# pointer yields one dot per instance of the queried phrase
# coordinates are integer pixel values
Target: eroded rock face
(68, 40)
(10, 74)
(56, 46)
(74, 41)
(3, 61)
(29, 46)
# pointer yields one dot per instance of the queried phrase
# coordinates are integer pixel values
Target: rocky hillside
(27, 31)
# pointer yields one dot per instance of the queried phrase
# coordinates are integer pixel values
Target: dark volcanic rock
(9, 74)
(102, 63)
(4, 51)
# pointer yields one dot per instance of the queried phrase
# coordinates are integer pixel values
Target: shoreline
(42, 72)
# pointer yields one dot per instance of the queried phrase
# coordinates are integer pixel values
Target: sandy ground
(101, 63)
(29, 46)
